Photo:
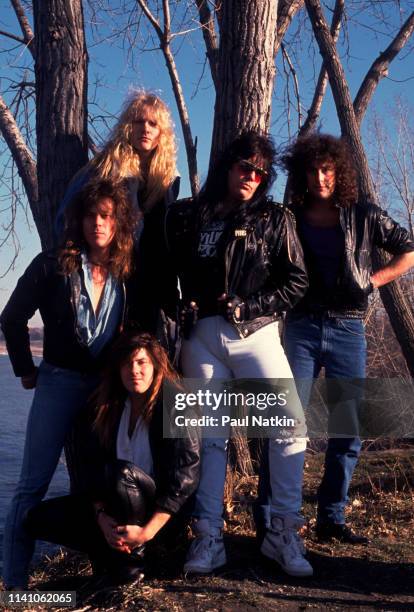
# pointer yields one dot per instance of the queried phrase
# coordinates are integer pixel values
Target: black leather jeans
(71, 521)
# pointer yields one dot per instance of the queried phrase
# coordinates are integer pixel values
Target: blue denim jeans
(59, 395)
(216, 351)
(338, 345)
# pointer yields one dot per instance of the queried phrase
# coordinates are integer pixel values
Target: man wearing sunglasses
(240, 266)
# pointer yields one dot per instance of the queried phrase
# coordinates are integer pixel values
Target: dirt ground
(377, 576)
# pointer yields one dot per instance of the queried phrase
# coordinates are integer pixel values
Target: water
(14, 410)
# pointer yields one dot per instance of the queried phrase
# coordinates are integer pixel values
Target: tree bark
(61, 104)
(286, 11)
(246, 70)
(210, 36)
(24, 26)
(396, 304)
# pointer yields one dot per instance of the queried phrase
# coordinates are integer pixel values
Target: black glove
(232, 308)
(188, 319)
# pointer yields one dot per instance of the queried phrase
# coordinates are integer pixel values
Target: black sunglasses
(248, 166)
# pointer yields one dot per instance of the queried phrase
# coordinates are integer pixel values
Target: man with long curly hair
(326, 328)
(80, 292)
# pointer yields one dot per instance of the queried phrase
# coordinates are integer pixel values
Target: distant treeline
(36, 333)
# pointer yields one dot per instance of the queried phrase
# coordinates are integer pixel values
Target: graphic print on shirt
(209, 237)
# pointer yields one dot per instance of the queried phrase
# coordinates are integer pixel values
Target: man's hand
(133, 535)
(109, 528)
(398, 265)
(29, 382)
(231, 307)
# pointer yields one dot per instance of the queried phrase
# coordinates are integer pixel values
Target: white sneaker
(283, 544)
(206, 552)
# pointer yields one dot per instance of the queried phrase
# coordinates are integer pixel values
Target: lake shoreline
(35, 345)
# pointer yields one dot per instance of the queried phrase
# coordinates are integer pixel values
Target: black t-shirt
(210, 267)
(323, 248)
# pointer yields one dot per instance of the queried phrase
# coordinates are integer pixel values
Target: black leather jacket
(365, 226)
(263, 259)
(176, 461)
(43, 287)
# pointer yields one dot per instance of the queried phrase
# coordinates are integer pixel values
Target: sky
(109, 66)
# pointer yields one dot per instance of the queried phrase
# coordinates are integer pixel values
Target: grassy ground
(378, 576)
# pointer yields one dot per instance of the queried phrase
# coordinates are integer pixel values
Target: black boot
(329, 531)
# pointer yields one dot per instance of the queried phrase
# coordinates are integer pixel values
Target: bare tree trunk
(246, 69)
(320, 90)
(396, 304)
(209, 35)
(341, 94)
(400, 313)
(61, 108)
(61, 120)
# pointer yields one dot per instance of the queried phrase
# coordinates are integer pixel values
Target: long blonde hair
(118, 160)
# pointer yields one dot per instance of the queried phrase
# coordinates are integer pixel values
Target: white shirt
(136, 448)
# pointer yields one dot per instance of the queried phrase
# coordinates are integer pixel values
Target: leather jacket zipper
(231, 246)
(121, 326)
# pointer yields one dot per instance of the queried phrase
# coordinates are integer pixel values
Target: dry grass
(376, 576)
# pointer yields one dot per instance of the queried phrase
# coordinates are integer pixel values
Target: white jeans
(215, 350)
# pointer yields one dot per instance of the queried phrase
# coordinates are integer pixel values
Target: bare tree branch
(164, 36)
(19, 39)
(154, 22)
(24, 26)
(322, 83)
(209, 35)
(286, 11)
(21, 154)
(295, 84)
(379, 68)
(167, 20)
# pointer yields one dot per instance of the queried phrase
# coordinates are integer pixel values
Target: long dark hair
(109, 399)
(247, 146)
(121, 248)
(320, 148)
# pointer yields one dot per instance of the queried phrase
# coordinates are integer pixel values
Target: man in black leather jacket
(263, 268)
(326, 328)
(240, 266)
(134, 477)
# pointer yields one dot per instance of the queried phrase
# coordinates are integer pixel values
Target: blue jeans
(215, 350)
(59, 395)
(338, 345)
